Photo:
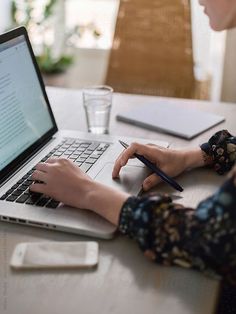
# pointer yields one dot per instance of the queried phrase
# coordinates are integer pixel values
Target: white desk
(125, 281)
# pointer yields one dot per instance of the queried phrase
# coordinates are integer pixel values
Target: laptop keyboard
(83, 153)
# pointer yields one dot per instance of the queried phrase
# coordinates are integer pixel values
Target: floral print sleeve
(220, 151)
(203, 238)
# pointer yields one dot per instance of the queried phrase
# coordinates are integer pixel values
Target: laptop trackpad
(130, 180)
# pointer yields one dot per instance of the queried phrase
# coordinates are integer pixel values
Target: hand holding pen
(155, 158)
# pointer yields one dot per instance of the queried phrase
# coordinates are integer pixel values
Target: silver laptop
(29, 134)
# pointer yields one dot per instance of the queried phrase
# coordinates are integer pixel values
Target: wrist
(106, 202)
(194, 158)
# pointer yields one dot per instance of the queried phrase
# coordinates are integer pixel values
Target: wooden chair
(152, 50)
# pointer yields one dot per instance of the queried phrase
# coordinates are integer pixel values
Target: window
(98, 13)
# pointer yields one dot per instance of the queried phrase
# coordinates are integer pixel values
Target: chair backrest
(152, 49)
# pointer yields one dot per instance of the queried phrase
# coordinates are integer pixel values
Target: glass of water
(97, 101)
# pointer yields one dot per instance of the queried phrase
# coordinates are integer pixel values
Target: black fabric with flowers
(221, 148)
(203, 238)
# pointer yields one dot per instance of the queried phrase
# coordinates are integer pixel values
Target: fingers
(39, 176)
(118, 165)
(44, 172)
(151, 181)
(41, 172)
(52, 160)
(45, 166)
(134, 148)
(38, 188)
(42, 167)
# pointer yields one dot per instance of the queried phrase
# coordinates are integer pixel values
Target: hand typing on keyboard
(66, 182)
(83, 154)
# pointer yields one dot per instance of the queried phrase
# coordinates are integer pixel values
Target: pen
(155, 169)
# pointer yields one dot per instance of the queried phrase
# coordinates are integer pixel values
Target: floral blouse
(203, 238)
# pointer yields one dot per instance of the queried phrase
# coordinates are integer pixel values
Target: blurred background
(155, 47)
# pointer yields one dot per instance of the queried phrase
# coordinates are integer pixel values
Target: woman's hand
(64, 181)
(171, 161)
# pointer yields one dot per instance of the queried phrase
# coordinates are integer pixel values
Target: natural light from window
(101, 13)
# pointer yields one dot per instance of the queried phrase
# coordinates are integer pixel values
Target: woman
(204, 238)
(163, 230)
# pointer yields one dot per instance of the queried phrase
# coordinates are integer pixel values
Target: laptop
(29, 135)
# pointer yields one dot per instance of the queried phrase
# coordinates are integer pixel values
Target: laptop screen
(24, 113)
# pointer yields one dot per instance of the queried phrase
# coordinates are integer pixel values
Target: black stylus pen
(156, 170)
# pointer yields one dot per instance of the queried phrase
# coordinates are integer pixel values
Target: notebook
(171, 118)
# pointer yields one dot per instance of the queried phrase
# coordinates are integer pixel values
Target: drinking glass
(97, 101)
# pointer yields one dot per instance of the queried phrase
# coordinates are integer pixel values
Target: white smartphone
(55, 255)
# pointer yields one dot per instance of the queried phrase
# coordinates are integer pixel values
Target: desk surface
(124, 281)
